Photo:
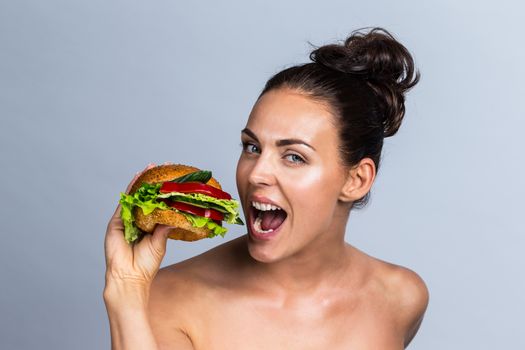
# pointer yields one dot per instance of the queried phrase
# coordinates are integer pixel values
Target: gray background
(92, 91)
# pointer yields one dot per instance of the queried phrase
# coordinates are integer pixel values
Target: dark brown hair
(363, 81)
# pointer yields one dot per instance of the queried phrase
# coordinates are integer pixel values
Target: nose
(262, 173)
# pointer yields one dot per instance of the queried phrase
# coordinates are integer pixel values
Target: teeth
(265, 206)
(257, 225)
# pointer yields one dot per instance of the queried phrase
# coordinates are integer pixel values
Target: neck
(323, 262)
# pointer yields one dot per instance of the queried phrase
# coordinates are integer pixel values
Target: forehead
(285, 113)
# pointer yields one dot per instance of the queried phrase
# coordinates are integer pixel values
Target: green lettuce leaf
(199, 221)
(131, 232)
(144, 198)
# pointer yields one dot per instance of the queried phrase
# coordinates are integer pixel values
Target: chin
(263, 254)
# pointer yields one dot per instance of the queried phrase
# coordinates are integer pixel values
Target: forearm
(128, 317)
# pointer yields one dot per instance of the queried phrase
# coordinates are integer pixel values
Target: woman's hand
(132, 267)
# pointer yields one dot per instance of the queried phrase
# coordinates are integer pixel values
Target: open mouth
(266, 219)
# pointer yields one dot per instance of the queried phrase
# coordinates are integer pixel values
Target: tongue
(271, 219)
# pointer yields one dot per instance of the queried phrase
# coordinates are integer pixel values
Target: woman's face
(289, 160)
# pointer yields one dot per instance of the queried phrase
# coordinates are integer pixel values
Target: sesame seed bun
(182, 228)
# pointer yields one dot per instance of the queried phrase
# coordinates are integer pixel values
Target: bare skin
(221, 305)
(302, 287)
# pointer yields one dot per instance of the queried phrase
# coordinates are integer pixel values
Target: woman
(311, 149)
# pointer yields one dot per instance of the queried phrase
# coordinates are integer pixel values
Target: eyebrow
(279, 143)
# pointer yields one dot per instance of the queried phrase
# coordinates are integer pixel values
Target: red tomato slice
(194, 187)
(188, 208)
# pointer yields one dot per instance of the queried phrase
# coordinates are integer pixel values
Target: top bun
(163, 173)
(379, 59)
(182, 229)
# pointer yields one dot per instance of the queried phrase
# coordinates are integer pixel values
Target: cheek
(315, 192)
(241, 174)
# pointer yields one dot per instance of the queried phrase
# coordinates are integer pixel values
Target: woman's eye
(294, 158)
(250, 147)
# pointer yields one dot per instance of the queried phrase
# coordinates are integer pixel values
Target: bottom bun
(182, 229)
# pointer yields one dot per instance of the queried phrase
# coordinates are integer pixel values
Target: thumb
(159, 238)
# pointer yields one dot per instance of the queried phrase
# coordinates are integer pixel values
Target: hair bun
(380, 60)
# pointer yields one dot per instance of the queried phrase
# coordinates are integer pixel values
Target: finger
(137, 175)
(117, 211)
(114, 241)
(132, 182)
(115, 222)
(159, 238)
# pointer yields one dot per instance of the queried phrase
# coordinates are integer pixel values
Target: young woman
(311, 149)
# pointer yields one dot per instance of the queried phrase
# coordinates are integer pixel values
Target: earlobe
(359, 181)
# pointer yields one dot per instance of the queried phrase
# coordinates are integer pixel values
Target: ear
(359, 180)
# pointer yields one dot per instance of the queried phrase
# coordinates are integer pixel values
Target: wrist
(129, 293)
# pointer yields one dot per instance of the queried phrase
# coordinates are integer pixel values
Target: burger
(189, 200)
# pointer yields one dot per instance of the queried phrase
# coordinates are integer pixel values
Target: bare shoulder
(183, 290)
(407, 295)
(408, 289)
(169, 305)
(399, 289)
(180, 282)
(188, 284)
